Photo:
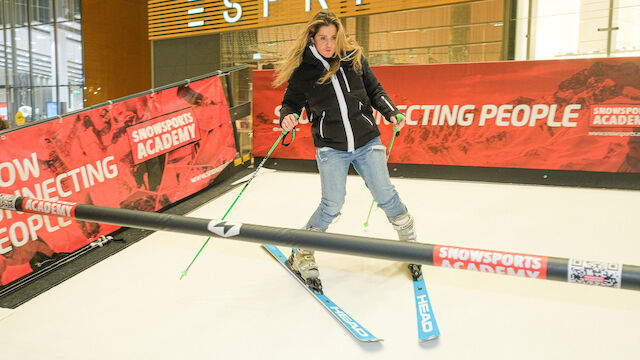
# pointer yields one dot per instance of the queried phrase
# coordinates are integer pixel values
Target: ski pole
(396, 132)
(282, 136)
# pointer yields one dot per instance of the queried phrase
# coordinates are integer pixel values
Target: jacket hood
(310, 58)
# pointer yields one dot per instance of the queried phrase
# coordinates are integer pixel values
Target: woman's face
(325, 40)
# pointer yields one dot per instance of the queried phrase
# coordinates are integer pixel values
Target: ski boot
(303, 263)
(404, 225)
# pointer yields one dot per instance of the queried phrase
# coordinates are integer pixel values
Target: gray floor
(237, 302)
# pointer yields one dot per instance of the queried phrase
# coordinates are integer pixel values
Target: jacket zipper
(342, 102)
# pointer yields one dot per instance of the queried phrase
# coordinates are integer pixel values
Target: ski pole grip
(396, 131)
(292, 132)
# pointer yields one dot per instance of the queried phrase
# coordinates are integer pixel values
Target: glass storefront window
(22, 103)
(6, 60)
(76, 98)
(627, 37)
(40, 56)
(21, 57)
(270, 46)
(71, 98)
(43, 56)
(41, 12)
(3, 63)
(4, 119)
(579, 36)
(4, 116)
(68, 10)
(595, 28)
(70, 53)
(20, 14)
(43, 99)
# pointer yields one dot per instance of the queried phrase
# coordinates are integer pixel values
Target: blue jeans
(370, 162)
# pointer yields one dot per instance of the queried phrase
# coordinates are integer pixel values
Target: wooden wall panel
(116, 49)
(416, 36)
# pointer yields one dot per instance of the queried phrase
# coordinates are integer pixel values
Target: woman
(330, 78)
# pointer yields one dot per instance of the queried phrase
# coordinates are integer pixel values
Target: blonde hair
(345, 47)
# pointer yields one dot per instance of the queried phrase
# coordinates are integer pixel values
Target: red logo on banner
(162, 134)
(615, 115)
(47, 207)
(497, 262)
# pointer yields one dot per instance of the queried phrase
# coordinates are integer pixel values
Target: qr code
(7, 202)
(595, 273)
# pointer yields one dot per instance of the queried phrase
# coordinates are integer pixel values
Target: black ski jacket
(339, 110)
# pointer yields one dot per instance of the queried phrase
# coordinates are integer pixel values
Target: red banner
(580, 114)
(143, 153)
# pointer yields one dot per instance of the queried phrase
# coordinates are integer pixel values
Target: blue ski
(427, 325)
(357, 330)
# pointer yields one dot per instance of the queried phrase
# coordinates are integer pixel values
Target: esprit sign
(232, 16)
(307, 5)
(169, 19)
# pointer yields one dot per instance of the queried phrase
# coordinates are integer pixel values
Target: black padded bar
(559, 269)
